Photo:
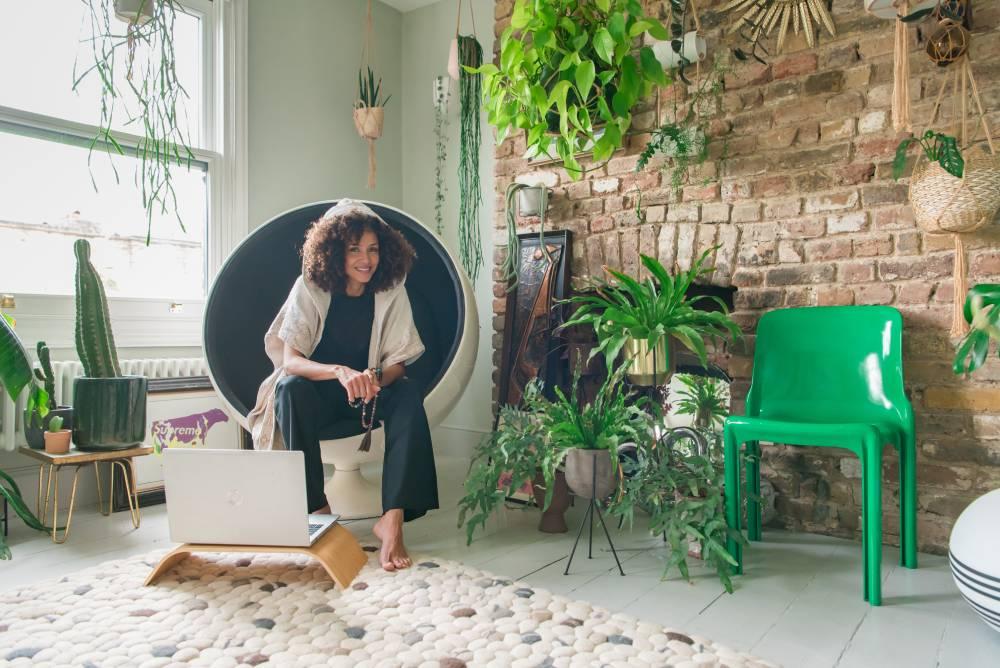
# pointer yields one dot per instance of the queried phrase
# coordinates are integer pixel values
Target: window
(48, 177)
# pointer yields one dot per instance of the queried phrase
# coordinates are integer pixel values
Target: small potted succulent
(56, 438)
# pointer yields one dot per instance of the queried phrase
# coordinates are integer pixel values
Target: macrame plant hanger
(368, 119)
(961, 82)
(901, 71)
(466, 50)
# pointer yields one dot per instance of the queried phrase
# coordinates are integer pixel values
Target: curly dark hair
(328, 238)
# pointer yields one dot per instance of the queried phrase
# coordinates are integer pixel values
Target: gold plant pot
(649, 366)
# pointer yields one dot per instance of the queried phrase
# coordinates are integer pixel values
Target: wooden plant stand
(337, 550)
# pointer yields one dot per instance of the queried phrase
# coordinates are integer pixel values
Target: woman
(340, 346)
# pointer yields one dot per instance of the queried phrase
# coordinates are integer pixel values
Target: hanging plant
(144, 46)
(937, 147)
(568, 76)
(369, 113)
(686, 140)
(470, 244)
(442, 93)
(515, 203)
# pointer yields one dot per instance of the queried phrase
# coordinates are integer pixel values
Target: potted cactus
(109, 408)
(57, 438)
(34, 424)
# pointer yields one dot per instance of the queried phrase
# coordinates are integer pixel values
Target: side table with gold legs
(49, 469)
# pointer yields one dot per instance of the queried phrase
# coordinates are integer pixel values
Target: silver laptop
(239, 497)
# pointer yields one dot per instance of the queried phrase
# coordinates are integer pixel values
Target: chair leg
(865, 538)
(732, 462)
(753, 490)
(872, 474)
(908, 502)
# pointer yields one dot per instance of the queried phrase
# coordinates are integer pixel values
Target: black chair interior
(256, 279)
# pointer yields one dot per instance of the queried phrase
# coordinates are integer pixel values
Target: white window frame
(161, 323)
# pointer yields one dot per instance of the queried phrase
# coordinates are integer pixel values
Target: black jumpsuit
(305, 408)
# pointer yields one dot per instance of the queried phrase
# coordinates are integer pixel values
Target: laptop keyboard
(313, 528)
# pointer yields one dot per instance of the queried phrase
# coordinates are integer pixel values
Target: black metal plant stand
(588, 519)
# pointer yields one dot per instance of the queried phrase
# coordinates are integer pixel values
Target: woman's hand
(359, 384)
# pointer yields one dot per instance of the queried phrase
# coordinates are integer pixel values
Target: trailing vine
(152, 85)
(442, 93)
(470, 244)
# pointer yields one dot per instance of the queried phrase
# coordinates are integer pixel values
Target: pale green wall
(303, 69)
(426, 36)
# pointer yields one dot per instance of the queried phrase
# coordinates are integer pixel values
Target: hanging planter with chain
(369, 114)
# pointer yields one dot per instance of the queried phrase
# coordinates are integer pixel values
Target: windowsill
(136, 322)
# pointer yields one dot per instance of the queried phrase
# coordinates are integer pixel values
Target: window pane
(47, 201)
(39, 42)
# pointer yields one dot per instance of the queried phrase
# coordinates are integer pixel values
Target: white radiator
(11, 417)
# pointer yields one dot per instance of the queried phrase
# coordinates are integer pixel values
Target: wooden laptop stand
(337, 550)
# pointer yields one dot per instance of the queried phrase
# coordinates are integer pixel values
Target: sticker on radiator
(189, 431)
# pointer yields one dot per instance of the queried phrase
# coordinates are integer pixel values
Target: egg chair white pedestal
(974, 555)
(253, 284)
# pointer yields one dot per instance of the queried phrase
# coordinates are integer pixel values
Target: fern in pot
(640, 318)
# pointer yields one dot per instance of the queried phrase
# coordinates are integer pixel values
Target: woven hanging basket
(368, 121)
(944, 204)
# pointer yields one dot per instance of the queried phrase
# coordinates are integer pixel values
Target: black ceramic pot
(109, 413)
(35, 434)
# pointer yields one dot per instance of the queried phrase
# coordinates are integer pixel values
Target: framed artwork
(530, 348)
(180, 413)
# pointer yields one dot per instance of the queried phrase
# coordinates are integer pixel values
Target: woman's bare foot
(389, 530)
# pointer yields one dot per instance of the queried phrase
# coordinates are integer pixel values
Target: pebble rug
(282, 610)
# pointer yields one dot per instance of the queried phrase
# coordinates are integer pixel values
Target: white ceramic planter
(693, 48)
(128, 10)
(531, 200)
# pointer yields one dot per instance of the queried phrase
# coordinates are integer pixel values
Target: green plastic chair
(829, 376)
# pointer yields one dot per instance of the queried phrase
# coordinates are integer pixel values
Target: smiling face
(360, 262)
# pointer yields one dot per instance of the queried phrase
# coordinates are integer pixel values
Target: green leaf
(584, 78)
(603, 5)
(616, 28)
(604, 45)
(899, 162)
(651, 66)
(630, 81)
(521, 16)
(15, 365)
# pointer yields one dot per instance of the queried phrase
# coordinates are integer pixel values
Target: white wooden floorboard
(799, 602)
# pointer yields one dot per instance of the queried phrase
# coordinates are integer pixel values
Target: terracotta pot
(554, 517)
(590, 474)
(57, 442)
(35, 435)
(368, 121)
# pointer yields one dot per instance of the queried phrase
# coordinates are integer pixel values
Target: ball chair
(253, 284)
(974, 556)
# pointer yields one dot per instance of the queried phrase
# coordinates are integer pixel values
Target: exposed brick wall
(806, 213)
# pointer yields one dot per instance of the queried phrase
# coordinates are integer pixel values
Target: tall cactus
(95, 343)
(45, 374)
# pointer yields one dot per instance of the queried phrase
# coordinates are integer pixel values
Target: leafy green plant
(982, 312)
(686, 139)
(938, 147)
(15, 376)
(652, 309)
(567, 67)
(537, 438)
(16, 373)
(151, 95)
(682, 492)
(704, 398)
(369, 90)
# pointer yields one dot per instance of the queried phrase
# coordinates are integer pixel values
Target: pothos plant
(568, 68)
(685, 140)
(150, 94)
(937, 147)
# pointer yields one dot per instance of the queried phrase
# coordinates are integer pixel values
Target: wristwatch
(377, 370)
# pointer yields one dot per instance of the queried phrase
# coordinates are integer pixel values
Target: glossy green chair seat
(829, 376)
